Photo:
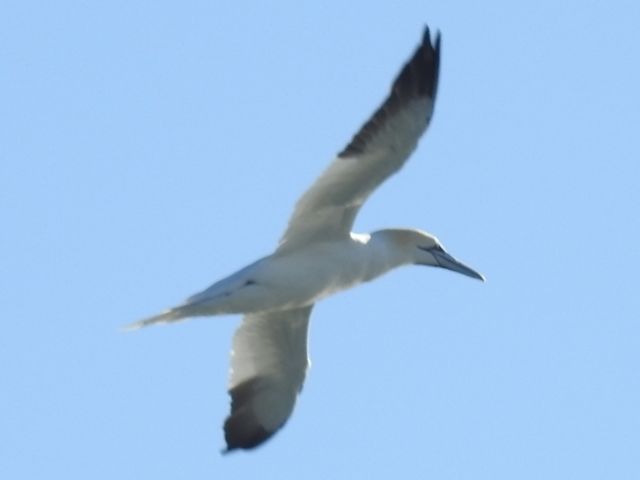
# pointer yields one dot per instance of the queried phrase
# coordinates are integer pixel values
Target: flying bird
(319, 255)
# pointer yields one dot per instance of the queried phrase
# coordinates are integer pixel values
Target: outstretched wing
(268, 366)
(379, 149)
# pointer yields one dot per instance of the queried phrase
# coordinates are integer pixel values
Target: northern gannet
(317, 256)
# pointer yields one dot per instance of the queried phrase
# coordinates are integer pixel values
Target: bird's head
(423, 248)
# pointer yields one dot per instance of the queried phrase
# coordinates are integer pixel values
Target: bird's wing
(268, 366)
(379, 149)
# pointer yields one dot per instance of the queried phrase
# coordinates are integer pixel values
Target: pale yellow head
(422, 248)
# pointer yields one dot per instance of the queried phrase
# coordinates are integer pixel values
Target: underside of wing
(379, 149)
(268, 365)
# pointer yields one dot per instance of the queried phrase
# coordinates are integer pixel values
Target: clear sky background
(149, 148)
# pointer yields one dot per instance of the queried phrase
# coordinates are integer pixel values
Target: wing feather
(379, 149)
(268, 366)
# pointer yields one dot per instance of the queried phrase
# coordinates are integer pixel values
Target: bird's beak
(447, 261)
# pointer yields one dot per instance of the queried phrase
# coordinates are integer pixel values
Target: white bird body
(319, 256)
(295, 278)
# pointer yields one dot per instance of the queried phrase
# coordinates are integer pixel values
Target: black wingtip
(242, 429)
(420, 74)
(435, 49)
(418, 78)
(426, 38)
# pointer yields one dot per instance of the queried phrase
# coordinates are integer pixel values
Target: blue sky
(150, 148)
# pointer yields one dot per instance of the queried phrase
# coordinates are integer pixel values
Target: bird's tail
(168, 316)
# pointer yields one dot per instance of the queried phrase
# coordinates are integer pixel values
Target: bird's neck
(381, 255)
